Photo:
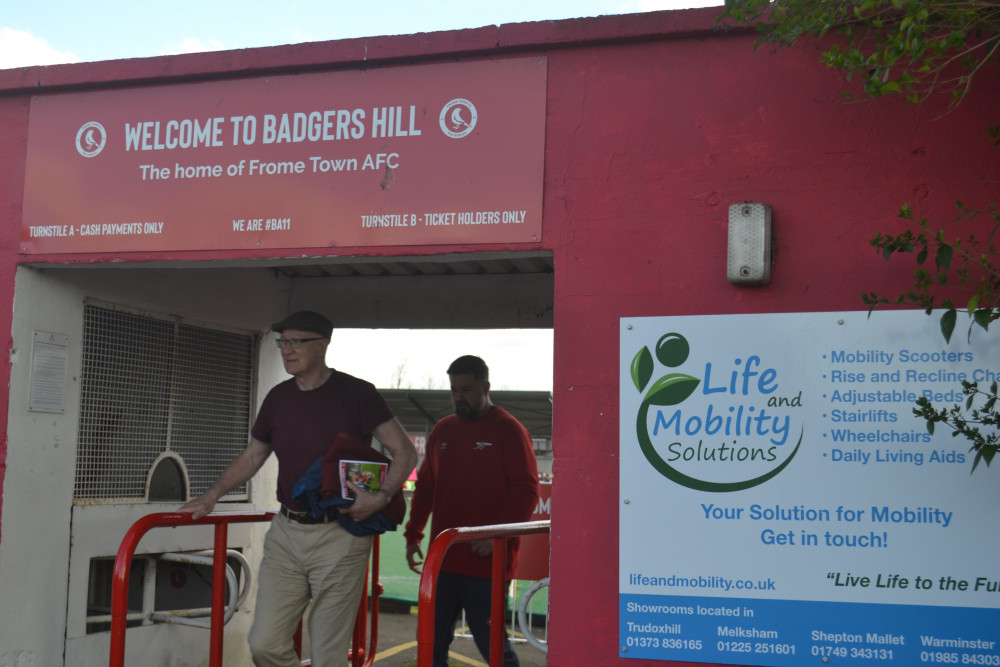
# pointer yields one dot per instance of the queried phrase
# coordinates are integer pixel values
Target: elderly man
(308, 559)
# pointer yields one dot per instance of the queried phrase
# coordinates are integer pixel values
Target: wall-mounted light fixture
(749, 256)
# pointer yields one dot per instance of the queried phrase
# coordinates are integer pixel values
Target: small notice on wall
(49, 359)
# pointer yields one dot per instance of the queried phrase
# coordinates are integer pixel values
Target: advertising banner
(781, 505)
(534, 560)
(431, 154)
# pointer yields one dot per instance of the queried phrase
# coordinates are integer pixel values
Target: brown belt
(304, 517)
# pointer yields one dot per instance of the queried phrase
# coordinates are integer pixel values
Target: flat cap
(306, 320)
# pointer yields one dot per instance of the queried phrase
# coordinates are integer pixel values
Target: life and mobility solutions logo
(90, 139)
(458, 118)
(726, 431)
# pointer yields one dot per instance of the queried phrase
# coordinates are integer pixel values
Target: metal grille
(150, 385)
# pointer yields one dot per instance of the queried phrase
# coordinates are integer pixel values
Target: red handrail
(499, 533)
(221, 520)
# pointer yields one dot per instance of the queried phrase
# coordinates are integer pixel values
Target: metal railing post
(221, 521)
(123, 567)
(218, 594)
(499, 533)
(498, 597)
(376, 591)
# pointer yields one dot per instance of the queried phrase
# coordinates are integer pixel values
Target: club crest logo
(458, 118)
(721, 432)
(90, 139)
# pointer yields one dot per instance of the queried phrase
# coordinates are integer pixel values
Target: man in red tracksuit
(479, 469)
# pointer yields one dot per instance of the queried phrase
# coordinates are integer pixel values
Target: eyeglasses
(294, 343)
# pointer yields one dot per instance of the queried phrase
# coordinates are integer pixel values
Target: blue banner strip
(790, 633)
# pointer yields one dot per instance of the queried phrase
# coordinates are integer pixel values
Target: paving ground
(397, 644)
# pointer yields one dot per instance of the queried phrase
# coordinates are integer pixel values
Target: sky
(49, 32)
(518, 359)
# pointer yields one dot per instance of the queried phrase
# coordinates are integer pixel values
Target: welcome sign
(432, 154)
(781, 505)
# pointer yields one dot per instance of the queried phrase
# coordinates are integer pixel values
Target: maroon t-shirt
(301, 425)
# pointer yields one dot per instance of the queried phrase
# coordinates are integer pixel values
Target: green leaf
(671, 389)
(972, 304)
(983, 317)
(948, 323)
(988, 453)
(642, 368)
(943, 256)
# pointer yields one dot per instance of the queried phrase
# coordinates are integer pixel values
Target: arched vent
(167, 482)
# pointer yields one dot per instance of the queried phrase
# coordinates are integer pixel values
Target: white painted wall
(47, 541)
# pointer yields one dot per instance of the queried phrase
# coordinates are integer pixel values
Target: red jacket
(475, 473)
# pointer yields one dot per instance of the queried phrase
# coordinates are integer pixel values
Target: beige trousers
(322, 563)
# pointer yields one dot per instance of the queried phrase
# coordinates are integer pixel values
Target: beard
(465, 411)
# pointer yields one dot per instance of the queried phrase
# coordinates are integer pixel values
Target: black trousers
(456, 592)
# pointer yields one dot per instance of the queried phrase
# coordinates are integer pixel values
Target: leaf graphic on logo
(671, 389)
(642, 368)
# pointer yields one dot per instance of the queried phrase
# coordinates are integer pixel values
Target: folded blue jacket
(306, 492)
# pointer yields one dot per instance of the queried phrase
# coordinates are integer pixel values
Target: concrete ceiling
(508, 263)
